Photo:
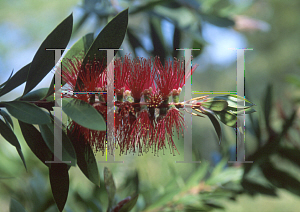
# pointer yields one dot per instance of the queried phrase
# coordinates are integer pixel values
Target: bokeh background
(270, 27)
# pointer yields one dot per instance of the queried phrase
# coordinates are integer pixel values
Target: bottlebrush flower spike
(141, 77)
(93, 76)
(170, 77)
(141, 125)
(122, 71)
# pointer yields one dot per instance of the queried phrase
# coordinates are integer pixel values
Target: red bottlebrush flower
(170, 78)
(140, 78)
(122, 70)
(124, 119)
(136, 123)
(93, 77)
(164, 77)
(165, 127)
(142, 131)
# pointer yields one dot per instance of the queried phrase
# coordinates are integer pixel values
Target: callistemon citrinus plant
(145, 118)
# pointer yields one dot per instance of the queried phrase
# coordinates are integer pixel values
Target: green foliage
(9, 135)
(205, 187)
(59, 181)
(109, 186)
(42, 62)
(111, 37)
(86, 161)
(27, 112)
(36, 143)
(68, 152)
(83, 113)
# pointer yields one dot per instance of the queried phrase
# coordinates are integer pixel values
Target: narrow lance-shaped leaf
(280, 178)
(68, 151)
(227, 118)
(83, 114)
(43, 62)
(111, 37)
(129, 204)
(254, 187)
(268, 105)
(292, 155)
(233, 101)
(7, 79)
(27, 112)
(109, 186)
(215, 105)
(9, 135)
(36, 143)
(59, 181)
(34, 95)
(77, 50)
(7, 118)
(17, 79)
(214, 121)
(86, 160)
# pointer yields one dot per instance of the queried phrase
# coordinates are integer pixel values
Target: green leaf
(227, 118)
(50, 89)
(9, 135)
(111, 37)
(7, 118)
(86, 160)
(36, 142)
(18, 79)
(292, 155)
(281, 179)
(163, 199)
(215, 105)
(288, 123)
(268, 105)
(234, 111)
(43, 62)
(217, 20)
(68, 151)
(232, 101)
(34, 95)
(254, 187)
(130, 204)
(59, 181)
(83, 114)
(77, 50)
(15, 206)
(197, 175)
(7, 79)
(109, 186)
(214, 121)
(27, 112)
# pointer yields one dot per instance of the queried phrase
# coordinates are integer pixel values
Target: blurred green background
(271, 28)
